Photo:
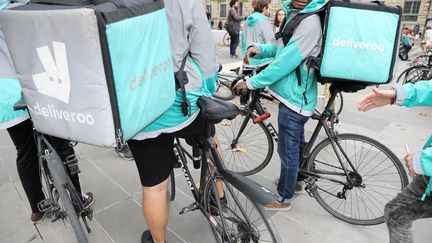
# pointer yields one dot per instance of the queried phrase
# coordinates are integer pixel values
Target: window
(223, 10)
(411, 10)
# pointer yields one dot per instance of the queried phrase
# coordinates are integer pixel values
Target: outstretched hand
(251, 51)
(375, 99)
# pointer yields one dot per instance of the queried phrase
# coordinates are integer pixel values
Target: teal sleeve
(418, 94)
(426, 160)
(266, 50)
(243, 44)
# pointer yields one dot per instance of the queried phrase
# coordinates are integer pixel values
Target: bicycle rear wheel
(379, 171)
(418, 74)
(251, 152)
(68, 207)
(236, 218)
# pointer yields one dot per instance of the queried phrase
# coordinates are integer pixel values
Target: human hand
(239, 87)
(375, 99)
(251, 51)
(409, 164)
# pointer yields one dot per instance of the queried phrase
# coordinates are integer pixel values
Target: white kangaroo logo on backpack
(55, 81)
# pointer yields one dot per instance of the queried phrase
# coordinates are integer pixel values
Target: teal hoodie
(419, 94)
(280, 75)
(257, 30)
(10, 89)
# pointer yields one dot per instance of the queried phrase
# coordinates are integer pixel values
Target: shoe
(37, 217)
(234, 56)
(124, 153)
(146, 237)
(277, 205)
(88, 200)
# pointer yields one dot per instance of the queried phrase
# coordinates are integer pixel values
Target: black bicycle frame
(333, 141)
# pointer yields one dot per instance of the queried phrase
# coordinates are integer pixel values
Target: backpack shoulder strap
(181, 80)
(288, 28)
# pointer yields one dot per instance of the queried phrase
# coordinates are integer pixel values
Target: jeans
(406, 207)
(28, 164)
(234, 43)
(290, 146)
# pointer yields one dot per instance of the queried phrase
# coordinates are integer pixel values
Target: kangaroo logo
(55, 81)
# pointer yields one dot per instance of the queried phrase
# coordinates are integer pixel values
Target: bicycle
(252, 131)
(62, 201)
(340, 166)
(237, 214)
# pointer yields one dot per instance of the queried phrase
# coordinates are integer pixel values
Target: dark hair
(276, 21)
(259, 5)
(232, 2)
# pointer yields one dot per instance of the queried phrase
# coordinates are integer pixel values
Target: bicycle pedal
(45, 205)
(194, 206)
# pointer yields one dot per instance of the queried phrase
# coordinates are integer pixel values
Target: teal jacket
(10, 89)
(419, 94)
(189, 33)
(257, 30)
(280, 75)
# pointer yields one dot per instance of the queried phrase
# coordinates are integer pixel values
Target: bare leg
(155, 209)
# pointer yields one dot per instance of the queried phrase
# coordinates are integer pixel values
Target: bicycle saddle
(214, 111)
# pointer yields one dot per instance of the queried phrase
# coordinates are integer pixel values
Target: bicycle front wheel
(234, 217)
(251, 152)
(380, 176)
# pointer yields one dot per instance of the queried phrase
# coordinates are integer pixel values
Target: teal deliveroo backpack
(93, 71)
(360, 42)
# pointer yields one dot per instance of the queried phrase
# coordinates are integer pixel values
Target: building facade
(414, 12)
(219, 9)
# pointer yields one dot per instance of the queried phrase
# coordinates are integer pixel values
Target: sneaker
(124, 153)
(277, 205)
(234, 56)
(37, 217)
(146, 237)
(88, 200)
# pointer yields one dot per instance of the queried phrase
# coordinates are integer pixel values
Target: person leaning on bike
(297, 101)
(152, 148)
(20, 129)
(414, 202)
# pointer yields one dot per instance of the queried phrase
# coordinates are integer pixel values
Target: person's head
(279, 16)
(300, 4)
(235, 3)
(262, 6)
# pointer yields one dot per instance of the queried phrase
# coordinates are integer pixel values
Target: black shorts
(155, 157)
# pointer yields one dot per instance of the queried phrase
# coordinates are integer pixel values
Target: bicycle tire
(223, 90)
(384, 191)
(171, 186)
(226, 39)
(404, 74)
(236, 156)
(418, 74)
(72, 215)
(242, 219)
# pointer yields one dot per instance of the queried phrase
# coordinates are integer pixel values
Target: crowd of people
(152, 149)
